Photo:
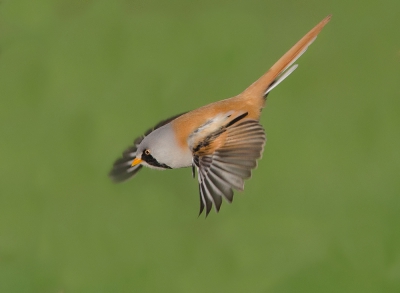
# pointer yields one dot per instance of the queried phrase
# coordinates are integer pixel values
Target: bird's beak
(136, 161)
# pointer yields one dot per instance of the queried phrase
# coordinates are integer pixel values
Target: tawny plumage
(222, 140)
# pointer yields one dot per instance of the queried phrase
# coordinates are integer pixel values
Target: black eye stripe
(148, 158)
(146, 155)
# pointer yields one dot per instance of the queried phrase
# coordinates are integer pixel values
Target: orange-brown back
(250, 100)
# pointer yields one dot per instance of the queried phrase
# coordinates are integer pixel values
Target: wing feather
(226, 169)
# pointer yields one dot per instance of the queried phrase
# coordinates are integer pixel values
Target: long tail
(278, 71)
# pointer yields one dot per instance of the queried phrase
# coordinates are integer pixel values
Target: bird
(222, 141)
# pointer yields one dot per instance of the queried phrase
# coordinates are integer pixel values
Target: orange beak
(136, 161)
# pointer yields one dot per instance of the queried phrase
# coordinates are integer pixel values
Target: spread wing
(226, 168)
(122, 169)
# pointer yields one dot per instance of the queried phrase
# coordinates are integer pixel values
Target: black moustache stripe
(151, 161)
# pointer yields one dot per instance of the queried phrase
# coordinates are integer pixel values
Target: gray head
(160, 150)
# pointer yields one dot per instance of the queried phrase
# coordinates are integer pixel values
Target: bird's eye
(147, 152)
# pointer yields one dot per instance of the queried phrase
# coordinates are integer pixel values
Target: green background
(79, 80)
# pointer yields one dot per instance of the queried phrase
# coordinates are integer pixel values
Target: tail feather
(269, 80)
(280, 78)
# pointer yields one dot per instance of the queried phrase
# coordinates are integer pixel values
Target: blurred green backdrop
(79, 80)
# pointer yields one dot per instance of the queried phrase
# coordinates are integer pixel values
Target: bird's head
(160, 150)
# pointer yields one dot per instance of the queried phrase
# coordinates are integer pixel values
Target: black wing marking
(201, 147)
(227, 168)
(122, 169)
